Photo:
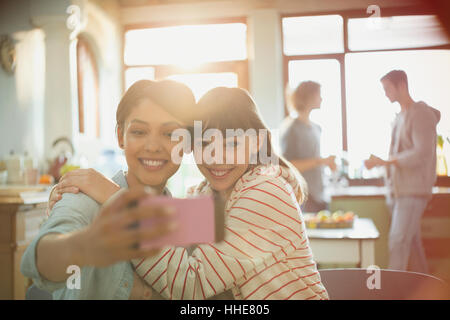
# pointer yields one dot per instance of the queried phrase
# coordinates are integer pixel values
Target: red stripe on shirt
(201, 285)
(168, 263)
(184, 284)
(243, 270)
(255, 225)
(265, 283)
(292, 244)
(227, 242)
(245, 221)
(303, 257)
(154, 265)
(271, 194)
(156, 280)
(279, 188)
(309, 275)
(257, 274)
(259, 214)
(176, 273)
(235, 233)
(163, 289)
(218, 275)
(273, 208)
(139, 264)
(313, 284)
(284, 285)
(308, 265)
(295, 292)
(212, 287)
(226, 266)
(272, 243)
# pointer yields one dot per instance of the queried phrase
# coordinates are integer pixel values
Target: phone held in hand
(199, 220)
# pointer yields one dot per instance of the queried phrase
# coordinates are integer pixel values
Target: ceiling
(135, 3)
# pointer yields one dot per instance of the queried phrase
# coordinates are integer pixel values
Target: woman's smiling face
(223, 176)
(146, 140)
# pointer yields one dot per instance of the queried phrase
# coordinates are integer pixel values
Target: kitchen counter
(369, 202)
(345, 246)
(22, 210)
(23, 194)
(363, 229)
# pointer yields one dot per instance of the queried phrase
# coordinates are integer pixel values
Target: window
(138, 73)
(200, 83)
(395, 33)
(194, 54)
(327, 73)
(88, 94)
(370, 112)
(186, 45)
(202, 56)
(313, 35)
(348, 54)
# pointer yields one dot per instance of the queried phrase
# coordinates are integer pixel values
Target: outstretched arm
(262, 228)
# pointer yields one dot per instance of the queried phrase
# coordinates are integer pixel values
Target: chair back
(382, 284)
(34, 293)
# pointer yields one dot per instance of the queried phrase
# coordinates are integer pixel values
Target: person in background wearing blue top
(300, 143)
(101, 240)
(411, 172)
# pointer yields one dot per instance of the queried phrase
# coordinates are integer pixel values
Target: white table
(353, 245)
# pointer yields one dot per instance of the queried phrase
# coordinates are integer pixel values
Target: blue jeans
(405, 241)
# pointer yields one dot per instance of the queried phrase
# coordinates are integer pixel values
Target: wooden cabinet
(369, 202)
(436, 234)
(19, 224)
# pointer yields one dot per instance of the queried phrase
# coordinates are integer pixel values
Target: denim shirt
(73, 212)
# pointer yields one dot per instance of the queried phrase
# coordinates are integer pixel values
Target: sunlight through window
(187, 45)
(370, 114)
(327, 74)
(200, 83)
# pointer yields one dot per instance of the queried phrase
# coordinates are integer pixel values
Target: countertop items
(21, 194)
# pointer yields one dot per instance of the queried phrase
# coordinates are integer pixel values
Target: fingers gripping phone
(199, 220)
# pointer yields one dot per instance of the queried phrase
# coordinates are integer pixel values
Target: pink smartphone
(199, 220)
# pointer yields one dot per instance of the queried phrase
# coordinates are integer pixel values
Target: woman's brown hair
(302, 94)
(175, 97)
(233, 108)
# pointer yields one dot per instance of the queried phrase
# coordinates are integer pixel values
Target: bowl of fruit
(325, 219)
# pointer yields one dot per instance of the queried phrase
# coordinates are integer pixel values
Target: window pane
(141, 73)
(313, 35)
(200, 83)
(187, 45)
(395, 32)
(327, 74)
(88, 95)
(370, 113)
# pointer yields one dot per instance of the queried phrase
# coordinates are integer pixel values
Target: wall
(104, 33)
(22, 94)
(38, 103)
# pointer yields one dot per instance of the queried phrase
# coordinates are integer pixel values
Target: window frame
(340, 57)
(240, 67)
(84, 44)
